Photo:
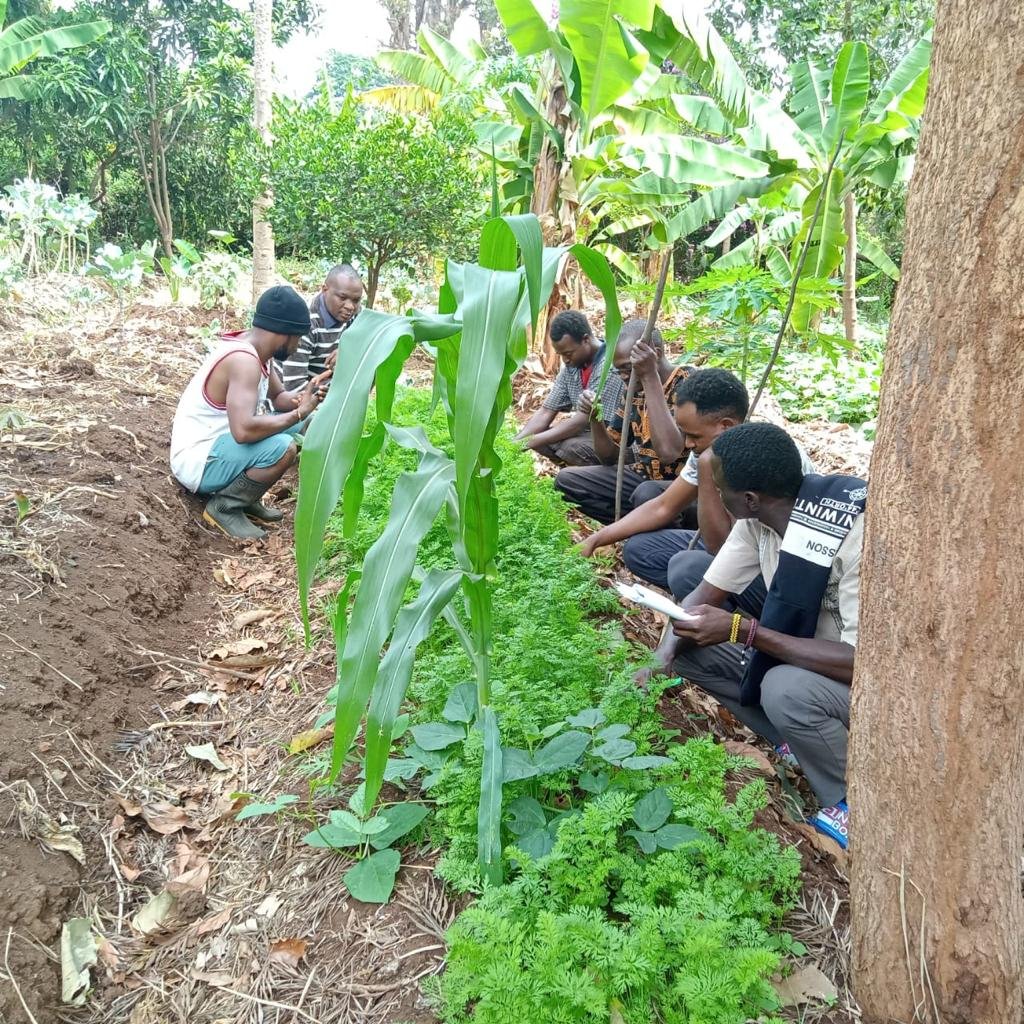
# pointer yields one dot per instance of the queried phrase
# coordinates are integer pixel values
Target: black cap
(282, 310)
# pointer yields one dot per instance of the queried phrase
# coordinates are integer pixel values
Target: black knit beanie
(281, 310)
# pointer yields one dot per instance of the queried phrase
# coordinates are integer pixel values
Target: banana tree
(478, 340)
(29, 39)
(830, 120)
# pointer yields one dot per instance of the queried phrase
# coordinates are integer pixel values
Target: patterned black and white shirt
(565, 393)
(310, 358)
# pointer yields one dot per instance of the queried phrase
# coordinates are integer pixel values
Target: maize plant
(478, 339)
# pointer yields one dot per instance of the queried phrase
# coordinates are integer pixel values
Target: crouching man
(785, 669)
(220, 445)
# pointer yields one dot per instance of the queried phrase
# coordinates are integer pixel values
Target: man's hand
(644, 359)
(331, 360)
(308, 400)
(589, 546)
(709, 626)
(588, 404)
(322, 382)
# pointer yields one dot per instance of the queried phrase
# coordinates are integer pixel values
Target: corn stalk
(478, 340)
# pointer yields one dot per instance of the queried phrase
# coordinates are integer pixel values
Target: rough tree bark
(850, 268)
(262, 69)
(937, 751)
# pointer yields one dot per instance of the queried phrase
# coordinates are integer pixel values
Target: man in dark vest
(784, 669)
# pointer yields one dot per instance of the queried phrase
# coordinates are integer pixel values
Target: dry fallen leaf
(207, 752)
(748, 750)
(288, 951)
(214, 977)
(249, 618)
(194, 880)
(823, 844)
(132, 810)
(165, 818)
(237, 648)
(270, 906)
(310, 738)
(203, 697)
(804, 985)
(155, 914)
(214, 923)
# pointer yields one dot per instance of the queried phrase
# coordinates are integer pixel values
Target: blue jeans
(228, 459)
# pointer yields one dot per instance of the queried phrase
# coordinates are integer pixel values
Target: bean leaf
(670, 836)
(613, 732)
(594, 783)
(561, 752)
(372, 880)
(525, 815)
(652, 811)
(615, 751)
(538, 843)
(437, 735)
(400, 819)
(645, 840)
(517, 764)
(461, 704)
(332, 837)
(645, 761)
(588, 718)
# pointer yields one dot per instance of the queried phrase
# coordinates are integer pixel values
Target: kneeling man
(220, 445)
(784, 671)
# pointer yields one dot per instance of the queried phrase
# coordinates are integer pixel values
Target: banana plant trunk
(850, 268)
(555, 213)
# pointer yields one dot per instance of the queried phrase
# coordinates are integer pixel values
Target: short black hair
(343, 270)
(714, 391)
(632, 330)
(760, 457)
(569, 321)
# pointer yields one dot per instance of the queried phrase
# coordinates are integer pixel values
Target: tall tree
(262, 75)
(937, 754)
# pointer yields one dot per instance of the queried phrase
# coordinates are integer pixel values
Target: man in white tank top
(220, 445)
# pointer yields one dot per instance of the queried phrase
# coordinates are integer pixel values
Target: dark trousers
(572, 451)
(592, 489)
(808, 711)
(647, 555)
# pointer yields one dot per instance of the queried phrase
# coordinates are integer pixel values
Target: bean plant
(478, 339)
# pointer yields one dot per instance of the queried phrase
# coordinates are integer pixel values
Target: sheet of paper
(652, 599)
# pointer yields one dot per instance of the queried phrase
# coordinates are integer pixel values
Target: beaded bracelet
(749, 645)
(735, 631)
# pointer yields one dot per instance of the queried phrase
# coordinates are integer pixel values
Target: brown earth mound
(104, 561)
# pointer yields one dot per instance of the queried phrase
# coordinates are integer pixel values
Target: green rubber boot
(226, 509)
(257, 510)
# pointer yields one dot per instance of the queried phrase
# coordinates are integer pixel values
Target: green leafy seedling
(260, 809)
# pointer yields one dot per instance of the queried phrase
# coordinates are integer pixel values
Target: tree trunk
(555, 212)
(937, 746)
(850, 269)
(262, 68)
(372, 281)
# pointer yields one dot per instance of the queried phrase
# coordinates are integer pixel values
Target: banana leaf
(849, 95)
(525, 28)
(608, 58)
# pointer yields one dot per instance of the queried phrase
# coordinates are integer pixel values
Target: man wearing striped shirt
(331, 312)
